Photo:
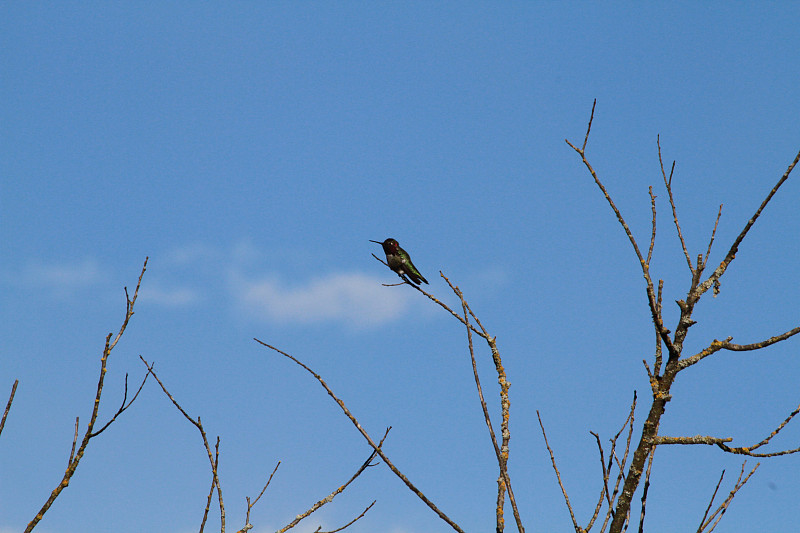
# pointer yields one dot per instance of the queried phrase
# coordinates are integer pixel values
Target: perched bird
(399, 261)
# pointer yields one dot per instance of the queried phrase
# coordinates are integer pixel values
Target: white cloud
(355, 299)
(64, 277)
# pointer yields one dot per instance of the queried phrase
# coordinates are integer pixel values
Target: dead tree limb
(77, 455)
(338, 491)
(368, 438)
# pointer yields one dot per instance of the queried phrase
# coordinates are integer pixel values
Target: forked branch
(213, 457)
(708, 523)
(77, 455)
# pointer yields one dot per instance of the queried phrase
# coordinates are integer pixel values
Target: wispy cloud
(354, 299)
(64, 277)
(172, 297)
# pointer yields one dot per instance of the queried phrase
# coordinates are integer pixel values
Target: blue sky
(251, 151)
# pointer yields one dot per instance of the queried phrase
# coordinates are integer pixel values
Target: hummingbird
(399, 261)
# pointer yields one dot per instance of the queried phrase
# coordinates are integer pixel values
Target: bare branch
(123, 407)
(578, 529)
(500, 484)
(659, 355)
(76, 457)
(717, 345)
(210, 496)
(713, 279)
(501, 452)
(481, 333)
(604, 490)
(711, 502)
(366, 436)
(748, 450)
(713, 233)
(213, 459)
(336, 492)
(8, 405)
(353, 521)
(651, 296)
(724, 505)
(645, 490)
(763, 344)
(653, 233)
(611, 496)
(250, 506)
(697, 439)
(74, 441)
(589, 127)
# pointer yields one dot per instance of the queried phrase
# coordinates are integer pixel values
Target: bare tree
(667, 362)
(625, 462)
(624, 465)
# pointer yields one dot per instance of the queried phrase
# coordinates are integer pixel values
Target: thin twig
(213, 459)
(668, 185)
(604, 489)
(711, 502)
(748, 450)
(578, 529)
(353, 521)
(723, 266)
(8, 405)
(251, 505)
(653, 224)
(435, 300)
(123, 407)
(74, 441)
(713, 233)
(725, 504)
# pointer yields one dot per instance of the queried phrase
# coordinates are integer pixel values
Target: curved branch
(717, 345)
(748, 450)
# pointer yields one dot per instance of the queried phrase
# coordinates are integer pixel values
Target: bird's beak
(376, 242)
